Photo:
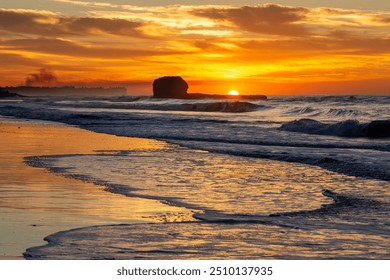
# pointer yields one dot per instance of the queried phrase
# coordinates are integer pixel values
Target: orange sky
(262, 49)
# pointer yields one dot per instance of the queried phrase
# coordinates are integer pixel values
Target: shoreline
(36, 203)
(75, 216)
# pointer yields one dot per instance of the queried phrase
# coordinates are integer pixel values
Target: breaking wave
(334, 98)
(219, 235)
(172, 105)
(348, 128)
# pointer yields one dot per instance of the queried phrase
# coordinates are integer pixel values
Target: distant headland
(6, 94)
(176, 87)
(65, 91)
(163, 87)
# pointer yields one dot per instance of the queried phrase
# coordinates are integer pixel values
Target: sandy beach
(257, 190)
(35, 203)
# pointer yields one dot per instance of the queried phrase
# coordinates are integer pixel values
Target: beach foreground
(287, 178)
(35, 202)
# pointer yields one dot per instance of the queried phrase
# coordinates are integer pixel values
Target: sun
(233, 92)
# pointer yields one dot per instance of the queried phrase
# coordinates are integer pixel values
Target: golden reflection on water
(214, 241)
(234, 185)
(35, 202)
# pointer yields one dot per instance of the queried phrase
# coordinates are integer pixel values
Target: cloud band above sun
(256, 49)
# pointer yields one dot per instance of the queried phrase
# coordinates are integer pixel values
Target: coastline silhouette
(176, 87)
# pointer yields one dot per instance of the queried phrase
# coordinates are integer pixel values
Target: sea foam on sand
(35, 203)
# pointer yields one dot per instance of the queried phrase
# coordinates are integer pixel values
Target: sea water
(290, 177)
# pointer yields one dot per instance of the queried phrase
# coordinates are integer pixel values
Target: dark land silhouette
(6, 94)
(176, 87)
(67, 91)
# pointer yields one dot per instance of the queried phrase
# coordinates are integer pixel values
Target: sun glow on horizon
(233, 92)
(257, 49)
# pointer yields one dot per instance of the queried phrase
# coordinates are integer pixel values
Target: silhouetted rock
(170, 87)
(176, 87)
(377, 129)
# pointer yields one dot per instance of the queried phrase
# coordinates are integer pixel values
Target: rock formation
(176, 87)
(170, 87)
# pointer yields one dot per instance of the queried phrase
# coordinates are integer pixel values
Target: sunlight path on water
(215, 182)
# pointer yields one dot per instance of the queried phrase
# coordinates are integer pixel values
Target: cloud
(16, 60)
(266, 19)
(50, 24)
(44, 77)
(277, 20)
(320, 46)
(88, 4)
(203, 42)
(383, 18)
(102, 25)
(28, 22)
(73, 49)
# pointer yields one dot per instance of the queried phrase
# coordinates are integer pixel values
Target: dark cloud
(16, 60)
(103, 25)
(47, 24)
(68, 48)
(382, 19)
(273, 50)
(267, 19)
(336, 12)
(44, 77)
(209, 46)
(27, 22)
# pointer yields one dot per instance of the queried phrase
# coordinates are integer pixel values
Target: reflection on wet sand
(35, 203)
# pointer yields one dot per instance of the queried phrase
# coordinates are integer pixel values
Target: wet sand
(35, 203)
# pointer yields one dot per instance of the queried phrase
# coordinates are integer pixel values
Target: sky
(254, 47)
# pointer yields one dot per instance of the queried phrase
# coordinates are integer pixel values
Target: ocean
(291, 177)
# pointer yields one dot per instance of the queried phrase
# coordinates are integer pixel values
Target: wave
(348, 128)
(341, 204)
(232, 107)
(275, 109)
(202, 240)
(327, 113)
(215, 232)
(148, 104)
(300, 111)
(343, 113)
(338, 216)
(334, 99)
